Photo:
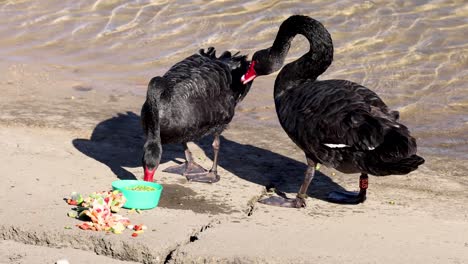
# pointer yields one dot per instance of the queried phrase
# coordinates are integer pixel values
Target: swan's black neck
(311, 64)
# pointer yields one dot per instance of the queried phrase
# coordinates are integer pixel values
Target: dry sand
(57, 138)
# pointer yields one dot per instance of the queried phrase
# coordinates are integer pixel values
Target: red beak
(149, 174)
(250, 74)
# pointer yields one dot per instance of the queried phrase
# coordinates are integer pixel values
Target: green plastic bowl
(138, 199)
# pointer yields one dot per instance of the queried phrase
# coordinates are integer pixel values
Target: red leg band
(363, 183)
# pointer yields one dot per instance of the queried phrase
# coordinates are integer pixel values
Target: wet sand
(76, 139)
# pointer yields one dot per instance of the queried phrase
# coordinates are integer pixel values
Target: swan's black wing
(331, 119)
(368, 96)
(198, 76)
(238, 65)
(198, 99)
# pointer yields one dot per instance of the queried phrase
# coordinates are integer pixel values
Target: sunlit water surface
(412, 53)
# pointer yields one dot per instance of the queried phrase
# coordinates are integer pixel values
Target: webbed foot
(205, 177)
(284, 202)
(346, 197)
(185, 169)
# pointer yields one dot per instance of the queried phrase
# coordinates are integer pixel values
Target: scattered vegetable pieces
(133, 210)
(114, 199)
(100, 208)
(118, 228)
(76, 199)
(72, 214)
(72, 202)
(138, 229)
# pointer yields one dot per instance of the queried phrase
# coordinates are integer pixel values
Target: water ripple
(413, 53)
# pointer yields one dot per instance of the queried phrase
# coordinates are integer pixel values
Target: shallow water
(412, 53)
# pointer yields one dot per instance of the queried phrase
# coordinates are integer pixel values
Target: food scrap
(133, 210)
(72, 214)
(75, 199)
(138, 229)
(100, 208)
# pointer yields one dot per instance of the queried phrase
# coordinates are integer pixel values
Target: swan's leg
(351, 197)
(299, 201)
(211, 176)
(188, 167)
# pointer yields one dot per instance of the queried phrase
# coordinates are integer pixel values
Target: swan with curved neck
(309, 66)
(337, 123)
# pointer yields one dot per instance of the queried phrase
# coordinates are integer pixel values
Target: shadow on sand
(267, 168)
(118, 142)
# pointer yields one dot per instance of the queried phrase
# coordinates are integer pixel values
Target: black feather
(316, 113)
(196, 97)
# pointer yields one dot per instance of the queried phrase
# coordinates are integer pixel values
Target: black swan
(337, 123)
(195, 98)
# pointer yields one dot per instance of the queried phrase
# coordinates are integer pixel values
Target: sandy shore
(58, 136)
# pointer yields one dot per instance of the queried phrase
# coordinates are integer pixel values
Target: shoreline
(76, 140)
(75, 106)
